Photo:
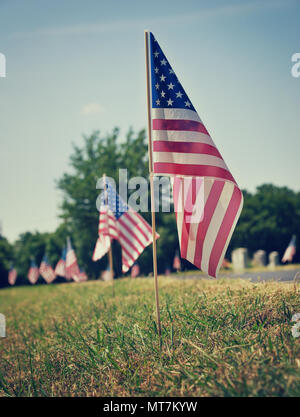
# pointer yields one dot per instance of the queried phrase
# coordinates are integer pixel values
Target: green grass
(219, 338)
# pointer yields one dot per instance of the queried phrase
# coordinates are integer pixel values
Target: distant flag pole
(151, 183)
(110, 257)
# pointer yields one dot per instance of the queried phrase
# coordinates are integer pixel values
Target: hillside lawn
(219, 338)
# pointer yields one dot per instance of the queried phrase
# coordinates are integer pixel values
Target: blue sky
(73, 67)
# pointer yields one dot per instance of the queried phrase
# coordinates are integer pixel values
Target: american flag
(82, 276)
(135, 270)
(119, 221)
(46, 270)
(183, 149)
(60, 268)
(176, 261)
(168, 271)
(290, 250)
(108, 229)
(33, 273)
(12, 275)
(72, 268)
(106, 275)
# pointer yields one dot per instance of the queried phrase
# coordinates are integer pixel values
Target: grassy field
(220, 338)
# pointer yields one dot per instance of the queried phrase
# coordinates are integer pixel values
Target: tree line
(270, 215)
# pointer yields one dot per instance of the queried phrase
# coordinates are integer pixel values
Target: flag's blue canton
(167, 92)
(33, 264)
(115, 202)
(45, 260)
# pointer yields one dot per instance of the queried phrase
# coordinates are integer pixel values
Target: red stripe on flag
(191, 196)
(173, 124)
(130, 232)
(185, 147)
(105, 230)
(128, 242)
(128, 217)
(128, 254)
(209, 210)
(224, 230)
(192, 170)
(141, 220)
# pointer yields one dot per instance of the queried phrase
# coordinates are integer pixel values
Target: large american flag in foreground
(12, 275)
(118, 221)
(33, 273)
(46, 270)
(290, 250)
(183, 148)
(72, 269)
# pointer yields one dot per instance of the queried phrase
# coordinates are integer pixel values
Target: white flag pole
(151, 183)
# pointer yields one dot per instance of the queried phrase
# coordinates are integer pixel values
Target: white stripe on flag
(188, 159)
(175, 114)
(182, 136)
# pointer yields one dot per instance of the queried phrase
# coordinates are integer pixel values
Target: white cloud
(91, 108)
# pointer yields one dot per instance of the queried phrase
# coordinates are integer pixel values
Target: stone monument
(260, 258)
(239, 259)
(273, 259)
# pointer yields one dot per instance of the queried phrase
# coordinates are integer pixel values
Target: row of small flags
(67, 267)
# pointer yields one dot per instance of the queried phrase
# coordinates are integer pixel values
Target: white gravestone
(239, 259)
(2, 325)
(259, 258)
(273, 259)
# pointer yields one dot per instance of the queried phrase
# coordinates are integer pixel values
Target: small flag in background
(82, 276)
(12, 275)
(33, 273)
(176, 262)
(106, 274)
(119, 221)
(290, 250)
(135, 270)
(60, 268)
(108, 229)
(183, 148)
(168, 271)
(46, 270)
(72, 268)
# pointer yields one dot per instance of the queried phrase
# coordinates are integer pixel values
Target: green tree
(6, 257)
